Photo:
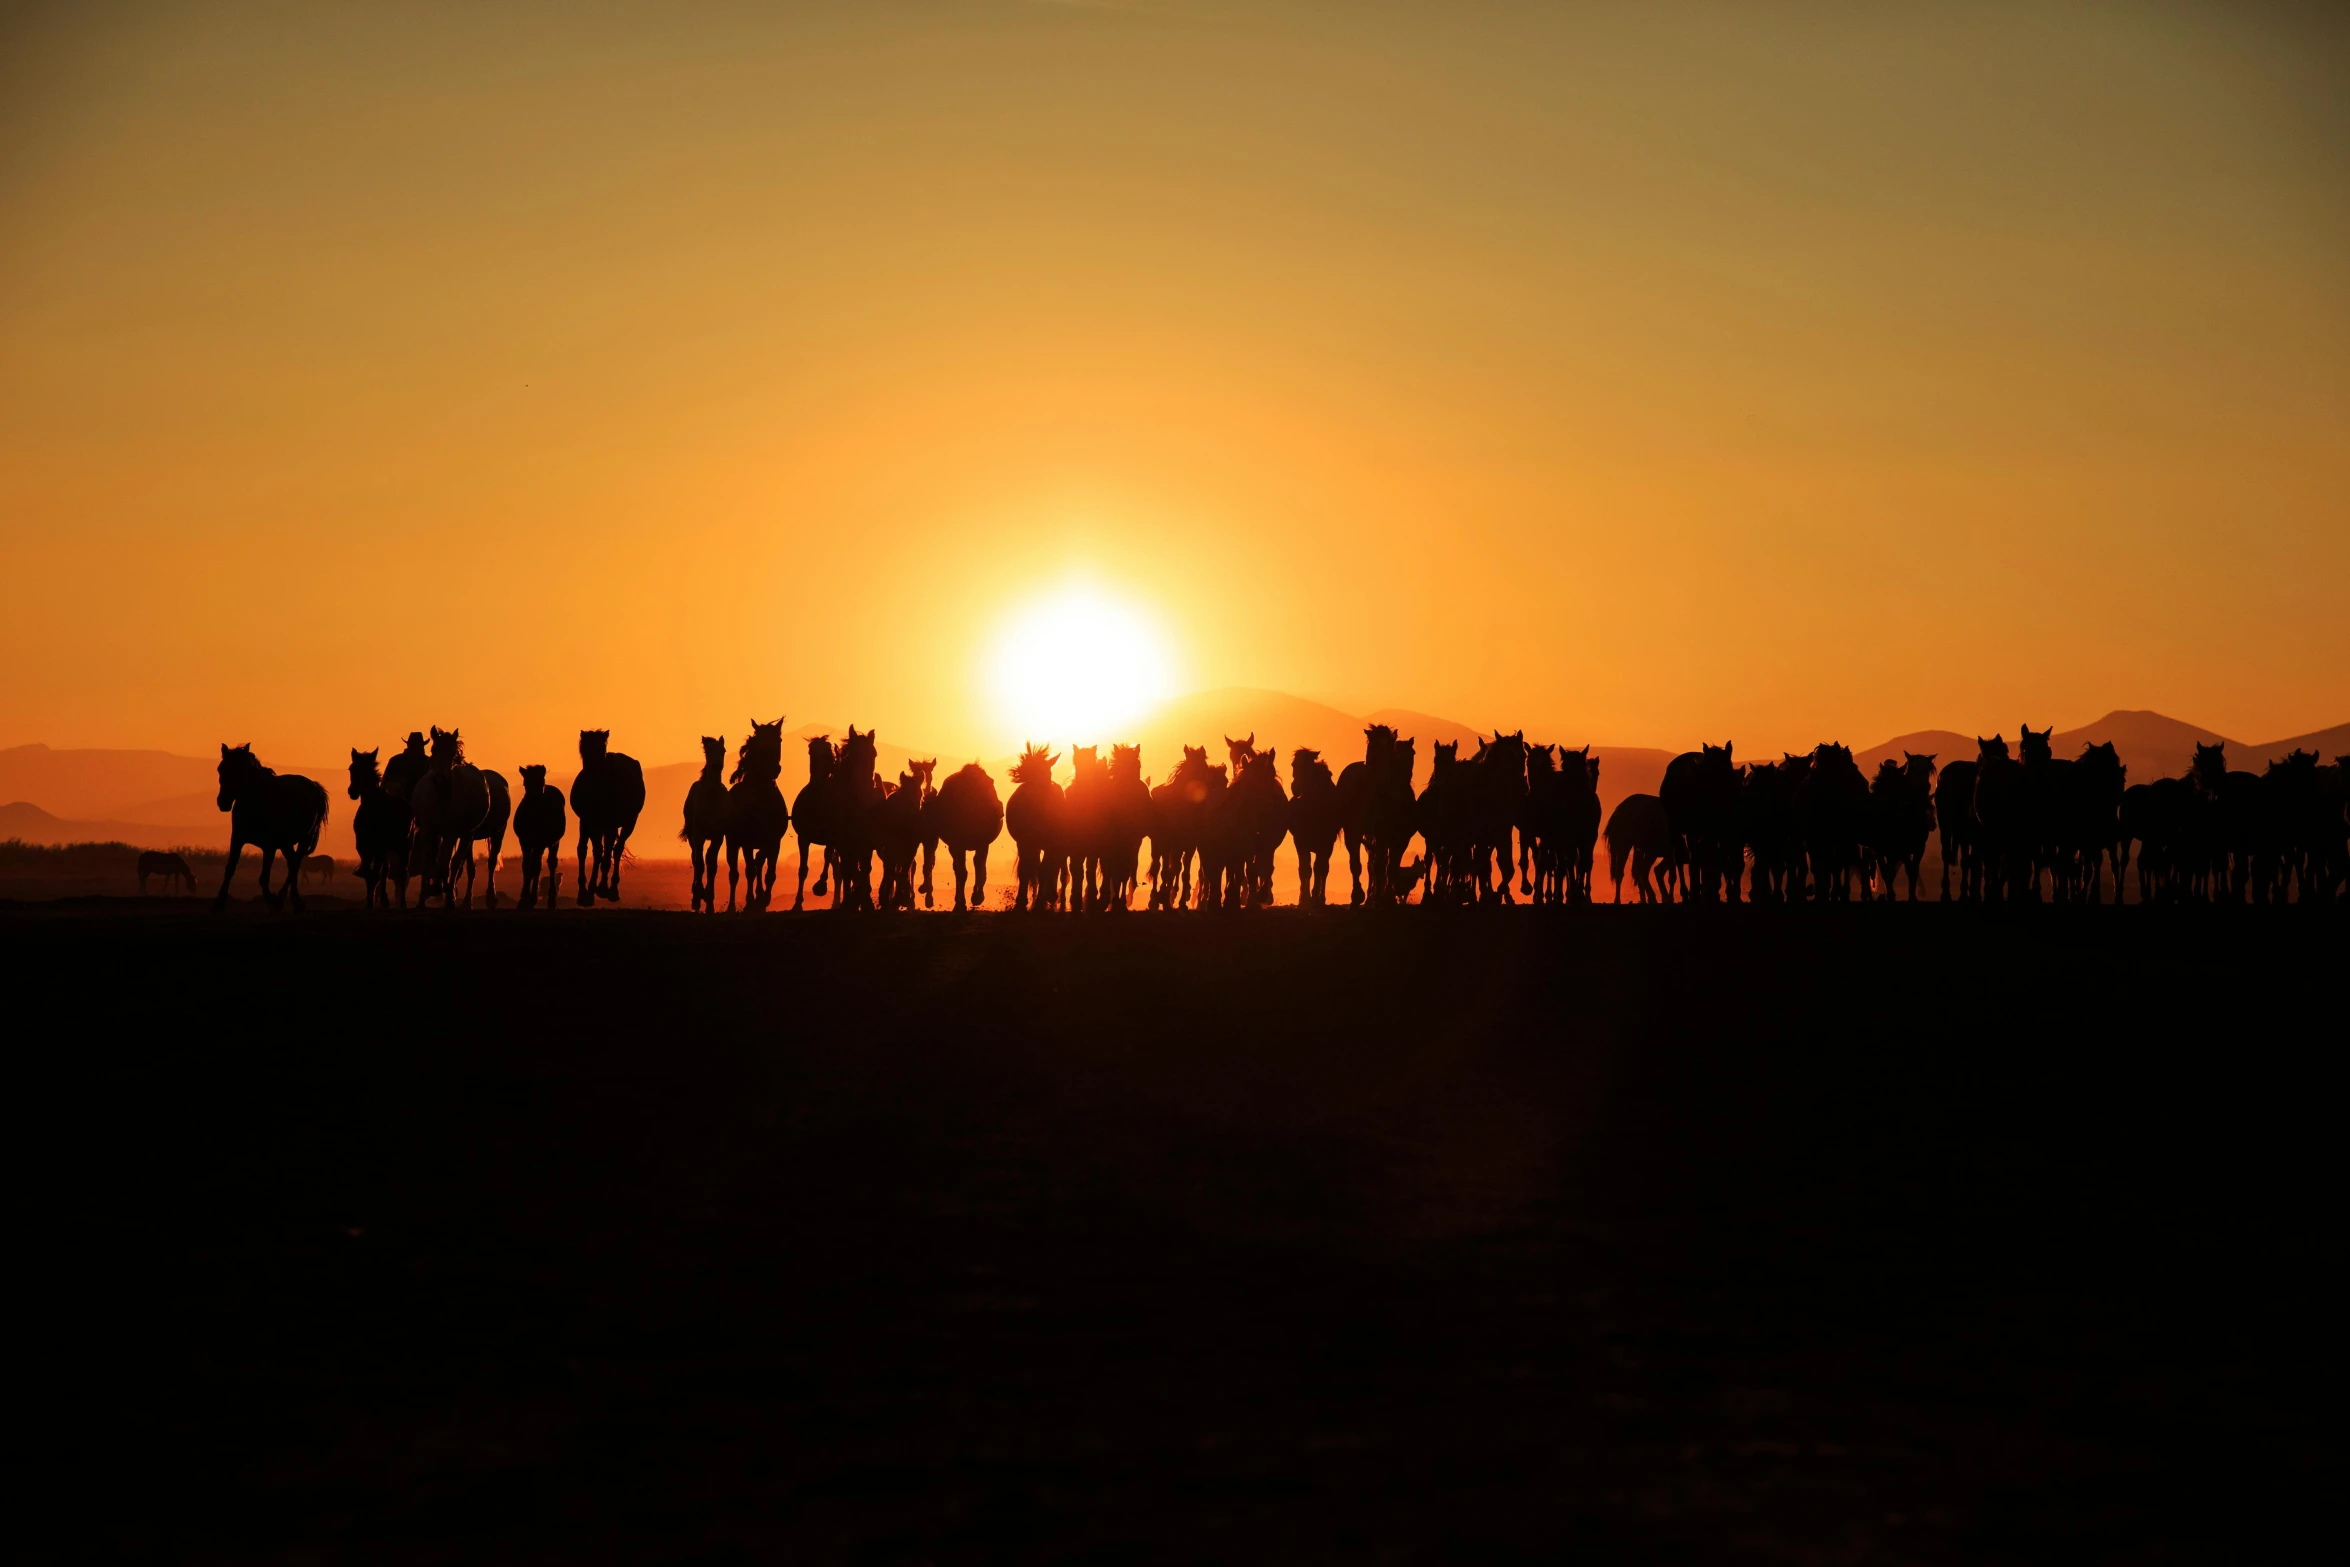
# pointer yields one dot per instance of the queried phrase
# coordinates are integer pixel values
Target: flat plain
(1854, 1234)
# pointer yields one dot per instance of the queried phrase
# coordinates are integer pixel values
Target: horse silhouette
(2288, 842)
(853, 795)
(966, 816)
(1640, 836)
(2088, 801)
(1769, 830)
(1496, 778)
(1446, 816)
(607, 796)
(1034, 816)
(380, 829)
(455, 805)
(400, 777)
(539, 821)
(1901, 819)
(1538, 834)
(1085, 827)
(1179, 825)
(2002, 820)
(1832, 807)
(1700, 794)
(1954, 819)
(277, 813)
(1577, 822)
(704, 831)
(1217, 885)
(1257, 809)
(897, 832)
(170, 868)
(1313, 824)
(1378, 816)
(811, 814)
(1128, 825)
(755, 819)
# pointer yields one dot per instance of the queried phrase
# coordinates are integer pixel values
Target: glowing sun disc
(1075, 666)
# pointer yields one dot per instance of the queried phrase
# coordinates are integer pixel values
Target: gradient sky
(1635, 372)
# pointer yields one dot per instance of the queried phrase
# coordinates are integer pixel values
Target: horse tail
(317, 819)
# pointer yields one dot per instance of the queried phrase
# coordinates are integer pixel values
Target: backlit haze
(1637, 373)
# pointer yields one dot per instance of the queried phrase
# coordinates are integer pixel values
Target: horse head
(2210, 764)
(1991, 750)
(1919, 770)
(858, 753)
(1242, 751)
(1378, 740)
(236, 766)
(534, 778)
(1035, 765)
(1125, 762)
(714, 754)
(593, 743)
(920, 773)
(365, 774)
(2035, 746)
(447, 749)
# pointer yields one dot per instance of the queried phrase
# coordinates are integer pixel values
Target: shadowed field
(1906, 1234)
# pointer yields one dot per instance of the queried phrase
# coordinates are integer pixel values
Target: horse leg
(236, 852)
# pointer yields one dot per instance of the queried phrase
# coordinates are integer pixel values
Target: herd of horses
(1808, 827)
(420, 815)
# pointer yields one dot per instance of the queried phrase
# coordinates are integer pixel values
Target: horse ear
(224, 750)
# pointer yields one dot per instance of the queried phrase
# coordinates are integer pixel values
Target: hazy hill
(28, 822)
(2328, 743)
(102, 783)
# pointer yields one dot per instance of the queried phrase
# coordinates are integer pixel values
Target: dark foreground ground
(1821, 1235)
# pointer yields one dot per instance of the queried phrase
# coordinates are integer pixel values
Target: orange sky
(1639, 373)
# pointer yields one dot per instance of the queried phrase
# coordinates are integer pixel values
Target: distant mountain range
(158, 799)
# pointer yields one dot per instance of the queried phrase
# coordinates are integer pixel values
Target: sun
(1076, 665)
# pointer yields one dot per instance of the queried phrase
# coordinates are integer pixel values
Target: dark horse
(539, 821)
(277, 813)
(754, 819)
(704, 832)
(381, 830)
(811, 814)
(170, 867)
(608, 795)
(1034, 815)
(966, 816)
(1313, 823)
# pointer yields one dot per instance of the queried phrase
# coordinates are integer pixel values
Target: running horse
(277, 813)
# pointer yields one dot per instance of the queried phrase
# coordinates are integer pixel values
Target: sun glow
(1074, 666)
